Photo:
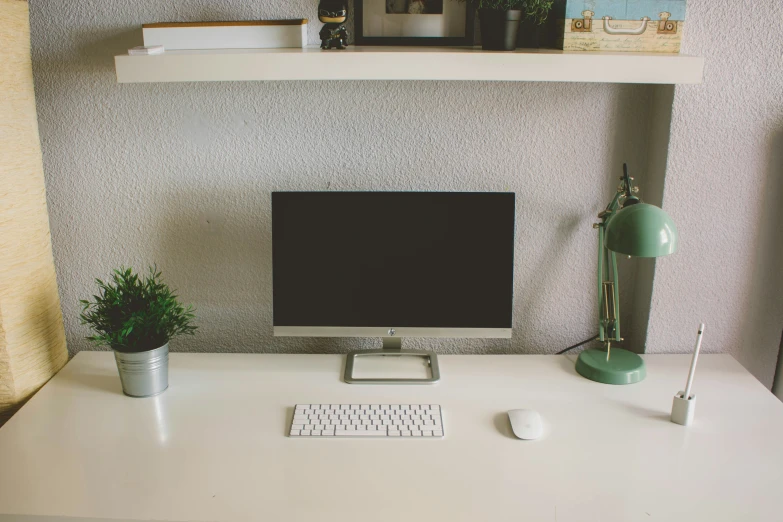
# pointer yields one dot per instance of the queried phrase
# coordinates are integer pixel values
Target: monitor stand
(392, 346)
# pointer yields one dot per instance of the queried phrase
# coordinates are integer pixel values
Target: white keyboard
(367, 420)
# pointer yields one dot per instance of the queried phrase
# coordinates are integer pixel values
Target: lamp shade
(641, 230)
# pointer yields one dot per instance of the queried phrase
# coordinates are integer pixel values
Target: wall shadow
(635, 114)
(651, 185)
(762, 323)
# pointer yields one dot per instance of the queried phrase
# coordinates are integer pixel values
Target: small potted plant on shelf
(499, 20)
(137, 317)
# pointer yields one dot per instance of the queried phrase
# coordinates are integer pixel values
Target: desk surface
(213, 447)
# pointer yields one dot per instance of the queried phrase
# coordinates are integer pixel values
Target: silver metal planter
(144, 374)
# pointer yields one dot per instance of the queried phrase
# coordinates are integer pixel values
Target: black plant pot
(499, 29)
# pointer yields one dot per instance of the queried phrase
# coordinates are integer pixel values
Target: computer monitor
(393, 265)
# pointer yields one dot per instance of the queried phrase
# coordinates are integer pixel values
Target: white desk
(213, 447)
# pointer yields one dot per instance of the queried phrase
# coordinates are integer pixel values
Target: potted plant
(137, 317)
(500, 20)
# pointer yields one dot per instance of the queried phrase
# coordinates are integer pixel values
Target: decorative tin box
(624, 25)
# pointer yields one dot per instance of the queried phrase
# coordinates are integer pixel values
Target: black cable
(561, 352)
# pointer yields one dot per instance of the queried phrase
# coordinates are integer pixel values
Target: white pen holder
(683, 409)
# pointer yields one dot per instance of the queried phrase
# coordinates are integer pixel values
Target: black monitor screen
(402, 259)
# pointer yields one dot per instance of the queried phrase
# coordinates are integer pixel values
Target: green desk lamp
(633, 228)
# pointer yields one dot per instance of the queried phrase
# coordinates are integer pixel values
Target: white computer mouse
(526, 424)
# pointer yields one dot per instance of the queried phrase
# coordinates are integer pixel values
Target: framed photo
(413, 22)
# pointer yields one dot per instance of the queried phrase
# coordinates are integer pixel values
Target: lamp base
(623, 367)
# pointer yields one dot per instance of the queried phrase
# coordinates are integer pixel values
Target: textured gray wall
(180, 175)
(723, 186)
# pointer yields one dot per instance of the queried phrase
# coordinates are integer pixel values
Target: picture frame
(373, 25)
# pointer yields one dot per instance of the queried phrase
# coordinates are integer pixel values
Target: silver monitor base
(392, 346)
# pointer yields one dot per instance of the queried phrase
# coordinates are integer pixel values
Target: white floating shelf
(409, 63)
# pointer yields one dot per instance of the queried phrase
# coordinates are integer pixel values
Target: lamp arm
(608, 281)
(616, 288)
(612, 206)
(601, 305)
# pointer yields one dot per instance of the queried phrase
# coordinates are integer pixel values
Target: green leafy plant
(536, 10)
(135, 314)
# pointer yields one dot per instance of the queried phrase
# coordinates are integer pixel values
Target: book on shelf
(252, 34)
(145, 51)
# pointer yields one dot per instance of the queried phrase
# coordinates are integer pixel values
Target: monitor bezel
(392, 331)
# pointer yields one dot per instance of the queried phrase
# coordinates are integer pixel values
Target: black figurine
(333, 14)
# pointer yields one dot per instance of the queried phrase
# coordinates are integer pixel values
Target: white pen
(691, 373)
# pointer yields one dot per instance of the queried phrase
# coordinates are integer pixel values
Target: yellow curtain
(32, 339)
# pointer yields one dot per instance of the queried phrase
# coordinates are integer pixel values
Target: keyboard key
(327, 433)
(297, 427)
(360, 433)
(416, 433)
(437, 433)
(405, 433)
(304, 433)
(294, 433)
(394, 433)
